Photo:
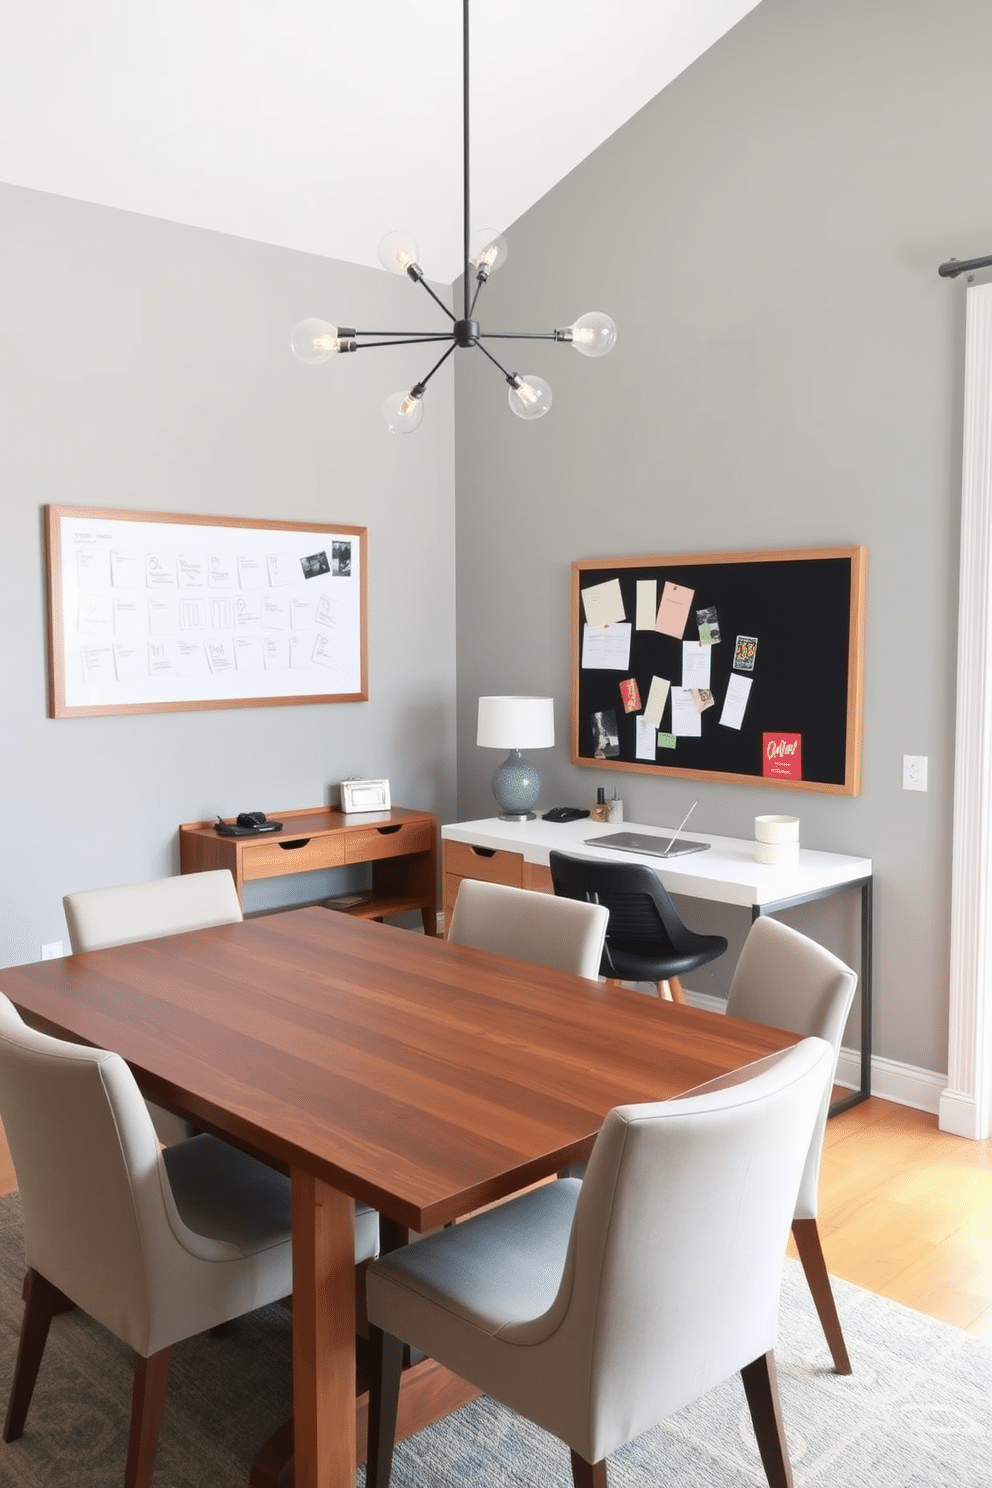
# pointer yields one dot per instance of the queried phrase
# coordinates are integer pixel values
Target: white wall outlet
(914, 772)
(52, 951)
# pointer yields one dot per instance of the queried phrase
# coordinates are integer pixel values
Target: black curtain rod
(955, 266)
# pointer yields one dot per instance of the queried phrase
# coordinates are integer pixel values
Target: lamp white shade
(516, 722)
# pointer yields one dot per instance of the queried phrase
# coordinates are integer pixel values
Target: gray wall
(766, 233)
(147, 365)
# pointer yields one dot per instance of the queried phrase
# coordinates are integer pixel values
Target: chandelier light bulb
(594, 334)
(398, 252)
(487, 252)
(313, 341)
(403, 411)
(530, 396)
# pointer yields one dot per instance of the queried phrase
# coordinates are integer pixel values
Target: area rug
(916, 1412)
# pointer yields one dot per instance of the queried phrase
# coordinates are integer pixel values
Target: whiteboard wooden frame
(117, 581)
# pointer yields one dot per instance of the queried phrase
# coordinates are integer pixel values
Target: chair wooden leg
(670, 990)
(807, 1238)
(588, 1474)
(147, 1404)
(42, 1302)
(385, 1364)
(761, 1389)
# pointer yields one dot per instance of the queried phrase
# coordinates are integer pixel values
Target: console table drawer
(369, 844)
(493, 865)
(296, 855)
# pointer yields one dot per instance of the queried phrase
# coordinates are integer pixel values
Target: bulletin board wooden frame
(158, 612)
(806, 609)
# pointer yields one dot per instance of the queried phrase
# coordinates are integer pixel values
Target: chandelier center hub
(466, 332)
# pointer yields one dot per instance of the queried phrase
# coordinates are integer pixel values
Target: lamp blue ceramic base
(516, 786)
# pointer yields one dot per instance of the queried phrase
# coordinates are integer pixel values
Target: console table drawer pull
(292, 846)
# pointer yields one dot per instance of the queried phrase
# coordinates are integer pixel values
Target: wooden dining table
(372, 1063)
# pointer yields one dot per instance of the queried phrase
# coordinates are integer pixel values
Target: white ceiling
(324, 124)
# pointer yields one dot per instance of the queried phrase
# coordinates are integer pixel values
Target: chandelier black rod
(521, 335)
(401, 338)
(423, 283)
(439, 363)
(465, 162)
(510, 376)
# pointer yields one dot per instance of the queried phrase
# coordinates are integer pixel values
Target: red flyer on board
(782, 756)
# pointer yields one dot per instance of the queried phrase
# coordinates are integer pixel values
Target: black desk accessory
(248, 824)
(564, 814)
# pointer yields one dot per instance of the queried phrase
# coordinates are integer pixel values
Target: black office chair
(646, 941)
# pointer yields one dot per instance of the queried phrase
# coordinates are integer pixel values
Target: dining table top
(423, 1077)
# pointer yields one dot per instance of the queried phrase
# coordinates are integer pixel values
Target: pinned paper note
(644, 744)
(605, 739)
(735, 701)
(695, 664)
(606, 647)
(687, 721)
(647, 604)
(657, 697)
(709, 626)
(673, 612)
(603, 603)
(745, 653)
(631, 695)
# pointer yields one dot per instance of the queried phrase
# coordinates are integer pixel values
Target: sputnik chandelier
(593, 334)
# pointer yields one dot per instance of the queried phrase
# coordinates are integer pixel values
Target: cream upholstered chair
(99, 918)
(156, 1245)
(596, 1309)
(563, 933)
(787, 981)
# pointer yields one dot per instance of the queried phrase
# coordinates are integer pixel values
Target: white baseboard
(903, 1084)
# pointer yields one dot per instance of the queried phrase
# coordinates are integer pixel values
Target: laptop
(651, 846)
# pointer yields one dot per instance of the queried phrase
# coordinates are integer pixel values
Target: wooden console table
(401, 846)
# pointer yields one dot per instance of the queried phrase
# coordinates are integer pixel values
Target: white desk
(726, 873)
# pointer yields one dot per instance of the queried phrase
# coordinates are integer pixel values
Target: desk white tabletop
(725, 873)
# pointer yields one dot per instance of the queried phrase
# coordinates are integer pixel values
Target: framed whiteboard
(150, 612)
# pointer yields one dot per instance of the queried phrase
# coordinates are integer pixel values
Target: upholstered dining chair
(596, 1309)
(786, 980)
(156, 1245)
(563, 933)
(123, 913)
(646, 939)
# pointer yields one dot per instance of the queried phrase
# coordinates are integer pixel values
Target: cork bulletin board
(745, 667)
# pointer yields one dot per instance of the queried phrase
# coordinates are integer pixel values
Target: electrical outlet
(914, 772)
(52, 951)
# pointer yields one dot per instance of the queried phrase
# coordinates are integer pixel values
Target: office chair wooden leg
(761, 1388)
(147, 1404)
(588, 1474)
(670, 990)
(42, 1301)
(807, 1238)
(385, 1364)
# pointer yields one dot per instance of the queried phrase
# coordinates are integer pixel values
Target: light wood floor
(905, 1210)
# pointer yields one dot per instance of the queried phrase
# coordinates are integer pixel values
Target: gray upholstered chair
(156, 1245)
(98, 918)
(563, 933)
(596, 1309)
(787, 981)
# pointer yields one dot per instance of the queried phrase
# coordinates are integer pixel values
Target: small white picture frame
(364, 795)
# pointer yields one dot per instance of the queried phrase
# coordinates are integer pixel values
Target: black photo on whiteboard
(314, 565)
(341, 559)
(605, 739)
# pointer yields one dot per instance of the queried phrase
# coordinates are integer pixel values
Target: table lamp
(516, 723)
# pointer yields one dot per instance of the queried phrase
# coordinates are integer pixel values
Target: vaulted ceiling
(324, 124)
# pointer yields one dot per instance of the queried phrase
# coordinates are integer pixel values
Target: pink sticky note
(673, 612)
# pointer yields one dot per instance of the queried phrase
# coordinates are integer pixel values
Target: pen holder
(776, 839)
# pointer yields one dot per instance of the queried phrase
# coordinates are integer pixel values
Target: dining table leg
(323, 1334)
